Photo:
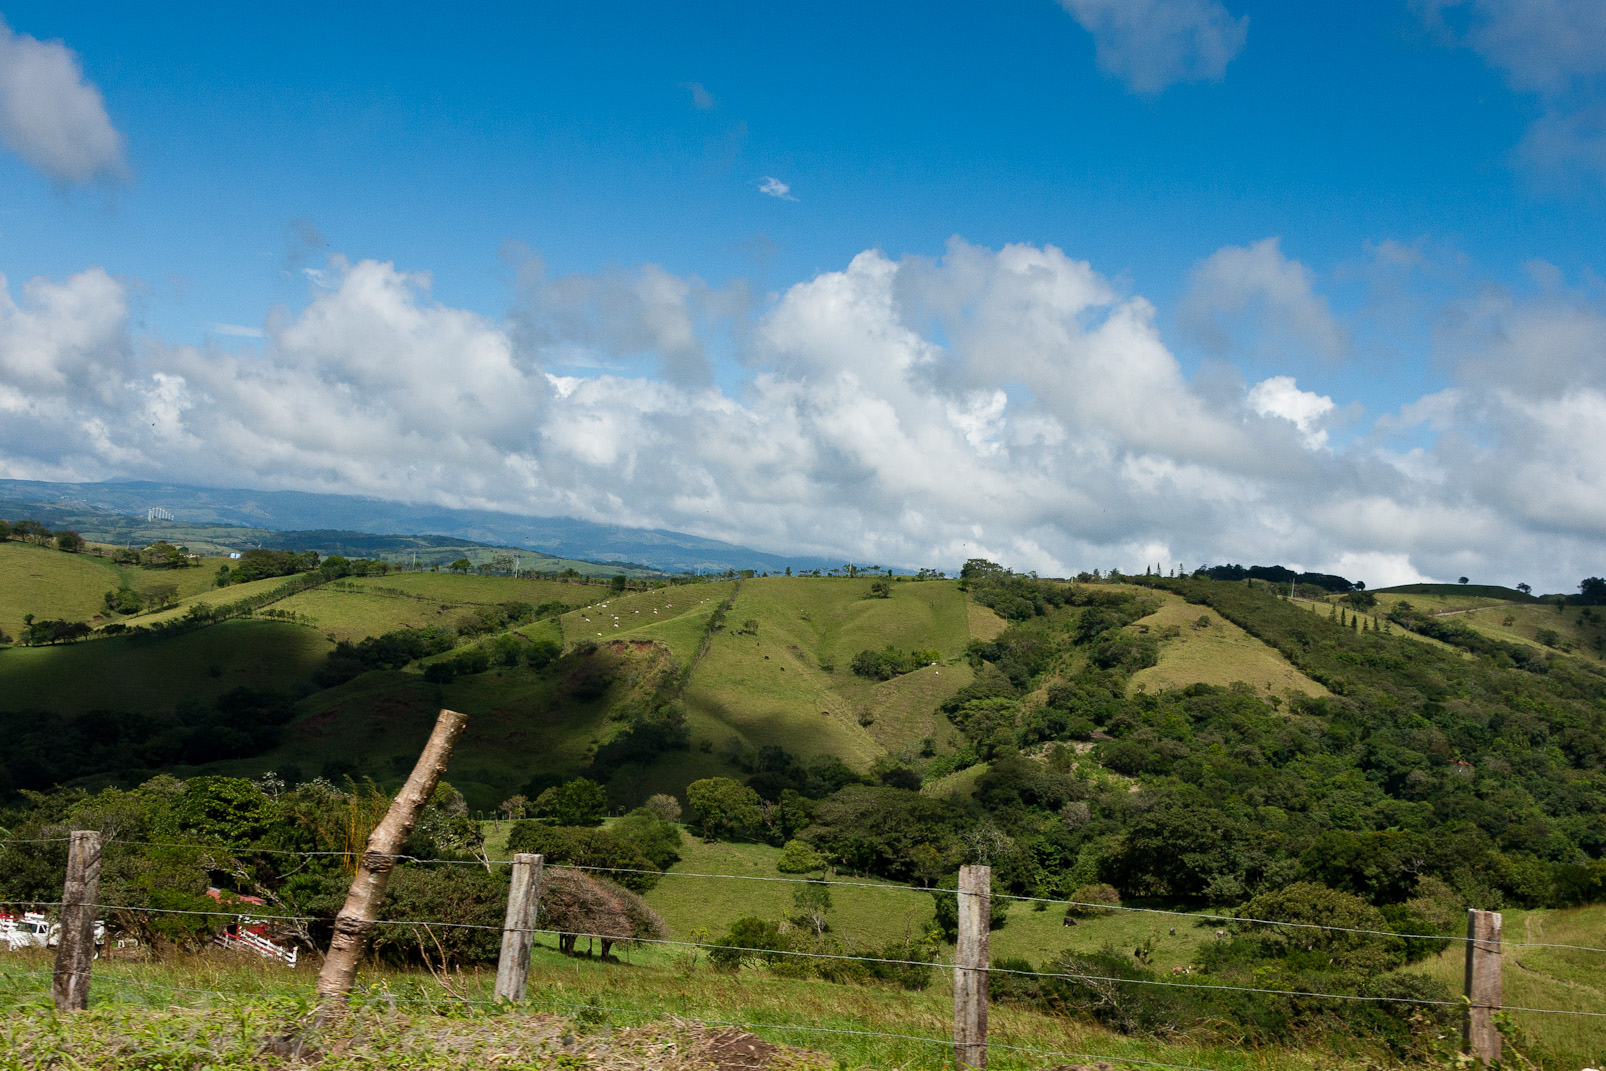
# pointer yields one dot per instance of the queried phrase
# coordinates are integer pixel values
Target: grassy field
(132, 674)
(49, 584)
(147, 1005)
(1547, 977)
(1515, 622)
(170, 1013)
(516, 728)
(674, 616)
(1218, 653)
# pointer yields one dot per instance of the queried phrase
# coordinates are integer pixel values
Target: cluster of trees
(890, 662)
(168, 840)
(159, 555)
(27, 531)
(56, 630)
(261, 564)
(1503, 652)
(1281, 575)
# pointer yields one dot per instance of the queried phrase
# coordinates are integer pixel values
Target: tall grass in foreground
(214, 1009)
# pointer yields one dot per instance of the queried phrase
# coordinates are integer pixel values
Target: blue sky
(1305, 283)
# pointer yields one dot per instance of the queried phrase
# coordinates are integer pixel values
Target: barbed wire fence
(971, 964)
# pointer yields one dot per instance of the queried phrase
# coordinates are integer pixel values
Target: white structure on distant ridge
(157, 513)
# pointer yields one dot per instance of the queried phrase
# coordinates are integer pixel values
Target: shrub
(748, 939)
(1088, 895)
(582, 847)
(578, 803)
(725, 809)
(799, 857)
(663, 806)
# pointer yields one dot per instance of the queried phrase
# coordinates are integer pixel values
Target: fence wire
(427, 924)
(834, 882)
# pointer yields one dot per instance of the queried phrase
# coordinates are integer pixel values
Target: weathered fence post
(357, 917)
(1480, 1038)
(75, 942)
(518, 932)
(970, 967)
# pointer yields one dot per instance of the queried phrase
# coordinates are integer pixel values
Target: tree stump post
(75, 943)
(1480, 1038)
(518, 932)
(971, 961)
(356, 918)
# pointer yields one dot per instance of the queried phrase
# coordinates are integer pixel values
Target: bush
(658, 840)
(799, 857)
(578, 905)
(748, 939)
(725, 809)
(663, 806)
(581, 847)
(1093, 894)
(578, 803)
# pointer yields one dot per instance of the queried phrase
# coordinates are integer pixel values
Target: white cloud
(1554, 50)
(1280, 396)
(52, 116)
(1005, 402)
(774, 187)
(1152, 44)
(1253, 299)
(236, 330)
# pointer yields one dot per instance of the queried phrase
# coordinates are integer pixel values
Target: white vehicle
(34, 929)
(31, 930)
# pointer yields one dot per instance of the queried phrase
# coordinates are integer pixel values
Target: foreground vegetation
(1379, 762)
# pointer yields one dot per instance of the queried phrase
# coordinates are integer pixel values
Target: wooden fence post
(970, 967)
(518, 932)
(75, 941)
(361, 909)
(1480, 1038)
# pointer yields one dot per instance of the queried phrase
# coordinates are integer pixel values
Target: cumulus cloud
(1552, 50)
(1253, 299)
(1009, 403)
(775, 188)
(1280, 396)
(1153, 44)
(51, 115)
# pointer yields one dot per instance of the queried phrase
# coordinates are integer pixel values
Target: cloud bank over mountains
(1012, 404)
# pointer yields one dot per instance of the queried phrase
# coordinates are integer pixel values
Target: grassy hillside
(1478, 591)
(1199, 645)
(49, 584)
(1579, 630)
(143, 674)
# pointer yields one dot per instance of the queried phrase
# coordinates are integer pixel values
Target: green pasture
(50, 584)
(1515, 622)
(213, 1008)
(1198, 644)
(155, 673)
(212, 595)
(470, 588)
(516, 728)
(1533, 977)
(676, 616)
(353, 614)
(906, 709)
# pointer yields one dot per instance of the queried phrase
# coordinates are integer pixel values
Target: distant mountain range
(288, 511)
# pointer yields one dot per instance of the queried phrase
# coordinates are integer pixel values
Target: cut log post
(357, 917)
(970, 968)
(1480, 1037)
(75, 942)
(518, 932)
